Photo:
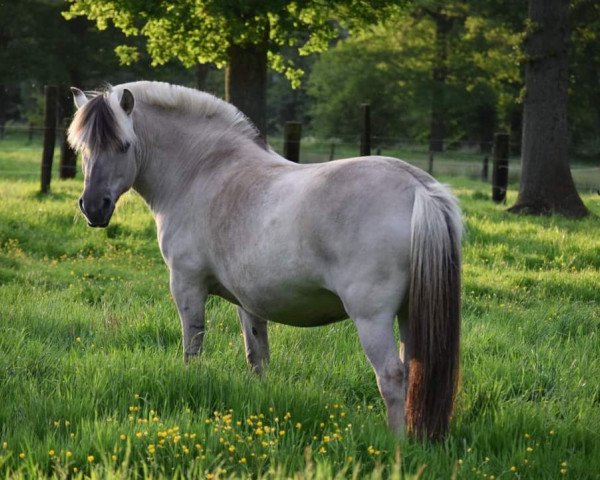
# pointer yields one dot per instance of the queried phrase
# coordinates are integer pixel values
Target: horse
(371, 239)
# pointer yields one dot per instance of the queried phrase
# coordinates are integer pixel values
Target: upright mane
(101, 123)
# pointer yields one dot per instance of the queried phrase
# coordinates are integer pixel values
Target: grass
(92, 381)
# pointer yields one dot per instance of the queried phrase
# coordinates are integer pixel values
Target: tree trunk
(443, 25)
(246, 82)
(546, 182)
(487, 123)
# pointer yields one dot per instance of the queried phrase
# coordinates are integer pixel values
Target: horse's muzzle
(97, 216)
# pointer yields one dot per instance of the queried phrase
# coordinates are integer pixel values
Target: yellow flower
(298, 426)
(231, 449)
(326, 439)
(68, 453)
(56, 423)
(123, 436)
(281, 433)
(114, 458)
(563, 464)
(136, 396)
(563, 471)
(460, 461)
(138, 434)
(243, 460)
(78, 339)
(552, 432)
(350, 459)
(51, 452)
(513, 469)
(90, 458)
(529, 449)
(22, 455)
(4, 445)
(322, 450)
(75, 469)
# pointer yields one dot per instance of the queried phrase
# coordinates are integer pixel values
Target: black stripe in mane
(100, 125)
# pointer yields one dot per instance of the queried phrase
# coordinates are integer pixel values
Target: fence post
(365, 136)
(500, 167)
(68, 157)
(430, 167)
(292, 132)
(485, 169)
(332, 151)
(51, 94)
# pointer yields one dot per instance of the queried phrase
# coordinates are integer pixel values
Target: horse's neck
(178, 153)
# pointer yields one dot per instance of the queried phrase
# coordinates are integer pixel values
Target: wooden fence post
(430, 167)
(365, 136)
(500, 167)
(292, 132)
(68, 157)
(485, 169)
(51, 94)
(332, 151)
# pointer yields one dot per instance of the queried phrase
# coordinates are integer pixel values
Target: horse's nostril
(81, 204)
(106, 203)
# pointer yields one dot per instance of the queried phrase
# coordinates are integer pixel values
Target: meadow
(92, 380)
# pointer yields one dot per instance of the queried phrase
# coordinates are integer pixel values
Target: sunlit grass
(93, 383)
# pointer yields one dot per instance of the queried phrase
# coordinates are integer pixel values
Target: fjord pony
(369, 239)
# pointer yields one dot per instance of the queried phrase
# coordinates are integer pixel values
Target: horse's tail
(434, 311)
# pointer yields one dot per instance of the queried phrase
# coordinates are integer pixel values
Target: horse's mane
(100, 123)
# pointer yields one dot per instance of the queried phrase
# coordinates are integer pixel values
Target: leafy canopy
(201, 31)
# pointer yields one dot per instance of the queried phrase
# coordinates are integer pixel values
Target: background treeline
(446, 74)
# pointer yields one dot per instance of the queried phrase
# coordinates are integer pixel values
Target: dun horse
(371, 239)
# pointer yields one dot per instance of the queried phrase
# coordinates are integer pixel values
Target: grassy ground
(92, 380)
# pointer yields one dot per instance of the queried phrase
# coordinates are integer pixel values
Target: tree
(546, 182)
(246, 36)
(390, 65)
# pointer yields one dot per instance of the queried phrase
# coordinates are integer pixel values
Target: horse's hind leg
(377, 339)
(256, 340)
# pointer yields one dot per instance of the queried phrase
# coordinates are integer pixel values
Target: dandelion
(552, 433)
(4, 445)
(513, 469)
(114, 458)
(68, 454)
(75, 469)
(231, 449)
(563, 471)
(22, 455)
(298, 426)
(51, 452)
(326, 439)
(281, 433)
(322, 450)
(123, 436)
(460, 461)
(138, 434)
(369, 407)
(137, 396)
(563, 464)
(56, 423)
(350, 459)
(371, 450)
(67, 423)
(243, 460)
(78, 339)
(527, 435)
(90, 459)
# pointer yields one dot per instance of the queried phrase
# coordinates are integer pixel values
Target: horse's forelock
(95, 126)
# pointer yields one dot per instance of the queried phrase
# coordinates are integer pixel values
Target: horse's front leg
(190, 297)
(256, 340)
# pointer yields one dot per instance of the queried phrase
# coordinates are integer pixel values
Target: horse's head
(102, 130)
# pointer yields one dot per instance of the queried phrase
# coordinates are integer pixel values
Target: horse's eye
(124, 147)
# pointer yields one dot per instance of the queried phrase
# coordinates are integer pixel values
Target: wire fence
(21, 150)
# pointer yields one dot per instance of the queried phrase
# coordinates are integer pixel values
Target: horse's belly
(298, 308)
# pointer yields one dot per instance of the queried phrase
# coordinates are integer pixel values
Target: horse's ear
(78, 97)
(127, 101)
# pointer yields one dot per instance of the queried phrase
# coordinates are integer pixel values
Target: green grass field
(92, 381)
